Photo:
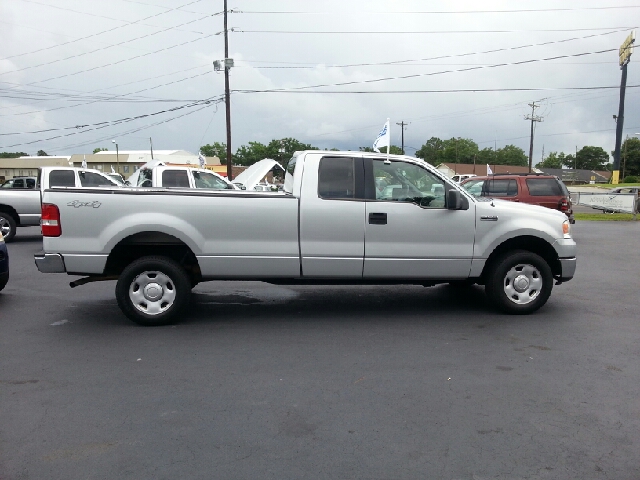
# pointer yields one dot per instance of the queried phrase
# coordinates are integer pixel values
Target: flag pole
(389, 133)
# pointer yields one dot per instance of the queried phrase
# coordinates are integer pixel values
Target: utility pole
(151, 144)
(227, 99)
(533, 119)
(402, 125)
(625, 51)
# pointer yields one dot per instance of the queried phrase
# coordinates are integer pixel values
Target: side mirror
(456, 201)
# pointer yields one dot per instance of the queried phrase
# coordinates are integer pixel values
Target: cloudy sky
(77, 74)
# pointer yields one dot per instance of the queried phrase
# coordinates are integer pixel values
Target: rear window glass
(500, 188)
(540, 187)
(62, 178)
(175, 178)
(336, 178)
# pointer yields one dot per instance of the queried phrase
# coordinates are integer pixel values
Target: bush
(630, 179)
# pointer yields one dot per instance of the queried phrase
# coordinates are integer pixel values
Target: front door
(409, 232)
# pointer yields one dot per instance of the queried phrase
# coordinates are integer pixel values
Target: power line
(112, 98)
(437, 12)
(144, 127)
(442, 57)
(97, 33)
(123, 60)
(79, 129)
(420, 75)
(57, 60)
(426, 32)
(455, 90)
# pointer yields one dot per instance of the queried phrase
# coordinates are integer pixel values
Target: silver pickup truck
(20, 207)
(343, 218)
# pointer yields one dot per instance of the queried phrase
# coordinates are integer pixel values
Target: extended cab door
(409, 231)
(332, 213)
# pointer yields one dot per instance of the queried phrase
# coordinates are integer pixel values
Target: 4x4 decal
(78, 204)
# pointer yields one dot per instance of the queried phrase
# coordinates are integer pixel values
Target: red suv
(535, 188)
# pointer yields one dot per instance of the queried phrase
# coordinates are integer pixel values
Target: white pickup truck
(175, 176)
(20, 207)
(333, 224)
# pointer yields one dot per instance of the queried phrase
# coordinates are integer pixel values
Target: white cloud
(344, 120)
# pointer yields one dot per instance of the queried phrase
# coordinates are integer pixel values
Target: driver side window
(399, 181)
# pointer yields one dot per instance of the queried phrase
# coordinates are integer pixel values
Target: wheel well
(144, 244)
(531, 244)
(10, 211)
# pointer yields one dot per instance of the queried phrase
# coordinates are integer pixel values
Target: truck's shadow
(309, 305)
(343, 303)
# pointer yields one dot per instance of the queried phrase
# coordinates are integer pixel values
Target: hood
(255, 173)
(517, 208)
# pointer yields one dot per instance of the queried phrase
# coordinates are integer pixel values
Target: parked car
(4, 263)
(20, 182)
(462, 177)
(159, 175)
(534, 188)
(20, 207)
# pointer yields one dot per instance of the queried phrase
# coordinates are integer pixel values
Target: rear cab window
(545, 187)
(336, 178)
(62, 178)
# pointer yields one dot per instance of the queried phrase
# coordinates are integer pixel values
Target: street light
(117, 157)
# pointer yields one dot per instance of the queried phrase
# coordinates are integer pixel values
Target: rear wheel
(7, 226)
(519, 282)
(3, 280)
(152, 290)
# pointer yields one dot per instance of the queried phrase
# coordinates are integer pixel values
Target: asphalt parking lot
(269, 382)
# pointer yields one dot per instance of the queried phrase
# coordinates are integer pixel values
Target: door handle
(377, 218)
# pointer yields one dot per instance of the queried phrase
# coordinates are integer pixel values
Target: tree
(13, 154)
(552, 161)
(588, 158)
(630, 157)
(98, 149)
(511, 155)
(458, 150)
(429, 151)
(283, 149)
(42, 153)
(216, 150)
(486, 156)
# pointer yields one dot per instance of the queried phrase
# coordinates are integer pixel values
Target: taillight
(50, 221)
(564, 205)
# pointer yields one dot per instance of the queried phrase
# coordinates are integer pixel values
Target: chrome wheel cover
(5, 228)
(152, 292)
(522, 284)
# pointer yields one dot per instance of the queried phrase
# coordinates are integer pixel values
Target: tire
(3, 281)
(152, 290)
(7, 226)
(534, 282)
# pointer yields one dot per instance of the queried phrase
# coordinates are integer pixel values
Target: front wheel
(7, 226)
(519, 282)
(152, 290)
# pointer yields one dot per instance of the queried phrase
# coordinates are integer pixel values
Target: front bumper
(50, 262)
(568, 267)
